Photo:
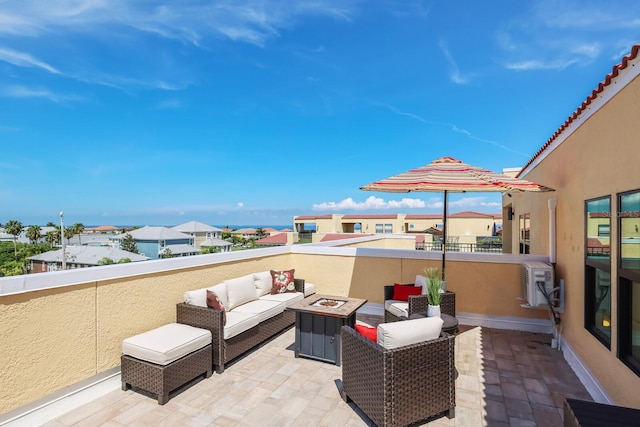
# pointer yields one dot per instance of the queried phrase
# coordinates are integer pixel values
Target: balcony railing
(461, 247)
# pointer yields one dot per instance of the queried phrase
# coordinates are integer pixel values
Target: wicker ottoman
(165, 358)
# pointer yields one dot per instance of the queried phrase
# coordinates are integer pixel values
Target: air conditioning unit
(532, 274)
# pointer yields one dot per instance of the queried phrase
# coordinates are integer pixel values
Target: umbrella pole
(444, 232)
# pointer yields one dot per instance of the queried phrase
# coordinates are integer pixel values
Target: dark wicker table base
(161, 380)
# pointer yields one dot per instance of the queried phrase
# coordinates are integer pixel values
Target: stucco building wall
(597, 158)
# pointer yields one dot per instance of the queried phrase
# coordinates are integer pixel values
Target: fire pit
(328, 303)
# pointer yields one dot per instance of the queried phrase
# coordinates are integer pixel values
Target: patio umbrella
(446, 175)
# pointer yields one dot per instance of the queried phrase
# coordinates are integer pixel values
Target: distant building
(200, 232)
(79, 257)
(152, 241)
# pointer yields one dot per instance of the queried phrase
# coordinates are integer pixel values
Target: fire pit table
(319, 320)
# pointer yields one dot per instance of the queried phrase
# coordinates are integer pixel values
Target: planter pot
(433, 310)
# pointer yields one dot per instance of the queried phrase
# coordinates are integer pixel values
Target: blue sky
(253, 111)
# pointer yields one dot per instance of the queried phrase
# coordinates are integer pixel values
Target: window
(629, 280)
(597, 286)
(524, 226)
(384, 228)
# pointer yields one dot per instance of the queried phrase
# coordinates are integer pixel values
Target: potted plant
(434, 291)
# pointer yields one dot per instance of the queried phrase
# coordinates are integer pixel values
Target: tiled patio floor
(505, 378)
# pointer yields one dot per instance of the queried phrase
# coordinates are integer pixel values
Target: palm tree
(78, 228)
(33, 233)
(52, 238)
(14, 228)
(68, 234)
(260, 232)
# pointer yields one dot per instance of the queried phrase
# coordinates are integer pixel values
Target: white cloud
(25, 92)
(372, 202)
(455, 74)
(240, 204)
(22, 59)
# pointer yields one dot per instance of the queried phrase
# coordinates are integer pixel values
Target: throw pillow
(214, 302)
(402, 292)
(368, 332)
(282, 281)
(421, 281)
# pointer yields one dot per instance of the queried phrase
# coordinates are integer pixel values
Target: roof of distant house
(154, 233)
(195, 227)
(101, 228)
(471, 214)
(244, 231)
(215, 242)
(274, 239)
(88, 255)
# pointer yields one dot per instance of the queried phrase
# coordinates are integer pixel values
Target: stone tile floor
(505, 378)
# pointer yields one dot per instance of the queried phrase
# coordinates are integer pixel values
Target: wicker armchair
(400, 386)
(419, 304)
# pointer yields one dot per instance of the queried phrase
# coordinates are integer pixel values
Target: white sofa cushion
(264, 308)
(397, 308)
(167, 343)
(238, 322)
(197, 297)
(263, 282)
(287, 298)
(221, 291)
(406, 332)
(240, 290)
(309, 289)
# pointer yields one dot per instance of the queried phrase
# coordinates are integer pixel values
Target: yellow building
(590, 229)
(462, 227)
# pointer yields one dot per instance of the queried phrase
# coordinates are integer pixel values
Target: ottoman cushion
(167, 343)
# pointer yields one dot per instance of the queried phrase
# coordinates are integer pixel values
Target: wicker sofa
(252, 314)
(402, 385)
(395, 310)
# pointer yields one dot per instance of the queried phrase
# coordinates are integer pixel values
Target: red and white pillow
(282, 281)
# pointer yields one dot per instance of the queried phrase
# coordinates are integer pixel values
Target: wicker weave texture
(401, 386)
(161, 380)
(227, 350)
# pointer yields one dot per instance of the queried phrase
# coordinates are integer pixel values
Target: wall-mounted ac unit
(533, 273)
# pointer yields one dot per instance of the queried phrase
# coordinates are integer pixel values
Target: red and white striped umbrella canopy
(452, 175)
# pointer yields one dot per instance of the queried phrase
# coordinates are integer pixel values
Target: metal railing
(460, 247)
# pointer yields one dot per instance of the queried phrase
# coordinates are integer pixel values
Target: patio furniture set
(405, 375)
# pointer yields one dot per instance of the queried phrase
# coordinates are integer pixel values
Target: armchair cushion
(422, 281)
(367, 331)
(402, 292)
(397, 308)
(263, 282)
(399, 334)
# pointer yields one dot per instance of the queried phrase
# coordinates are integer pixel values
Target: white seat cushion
(167, 343)
(309, 289)
(263, 308)
(407, 332)
(240, 291)
(263, 282)
(238, 322)
(397, 308)
(287, 298)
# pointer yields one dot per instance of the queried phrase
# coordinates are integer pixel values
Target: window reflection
(598, 226)
(629, 231)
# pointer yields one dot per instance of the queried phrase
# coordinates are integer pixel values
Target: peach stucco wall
(53, 338)
(599, 159)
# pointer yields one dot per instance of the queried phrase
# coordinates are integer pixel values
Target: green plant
(434, 285)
